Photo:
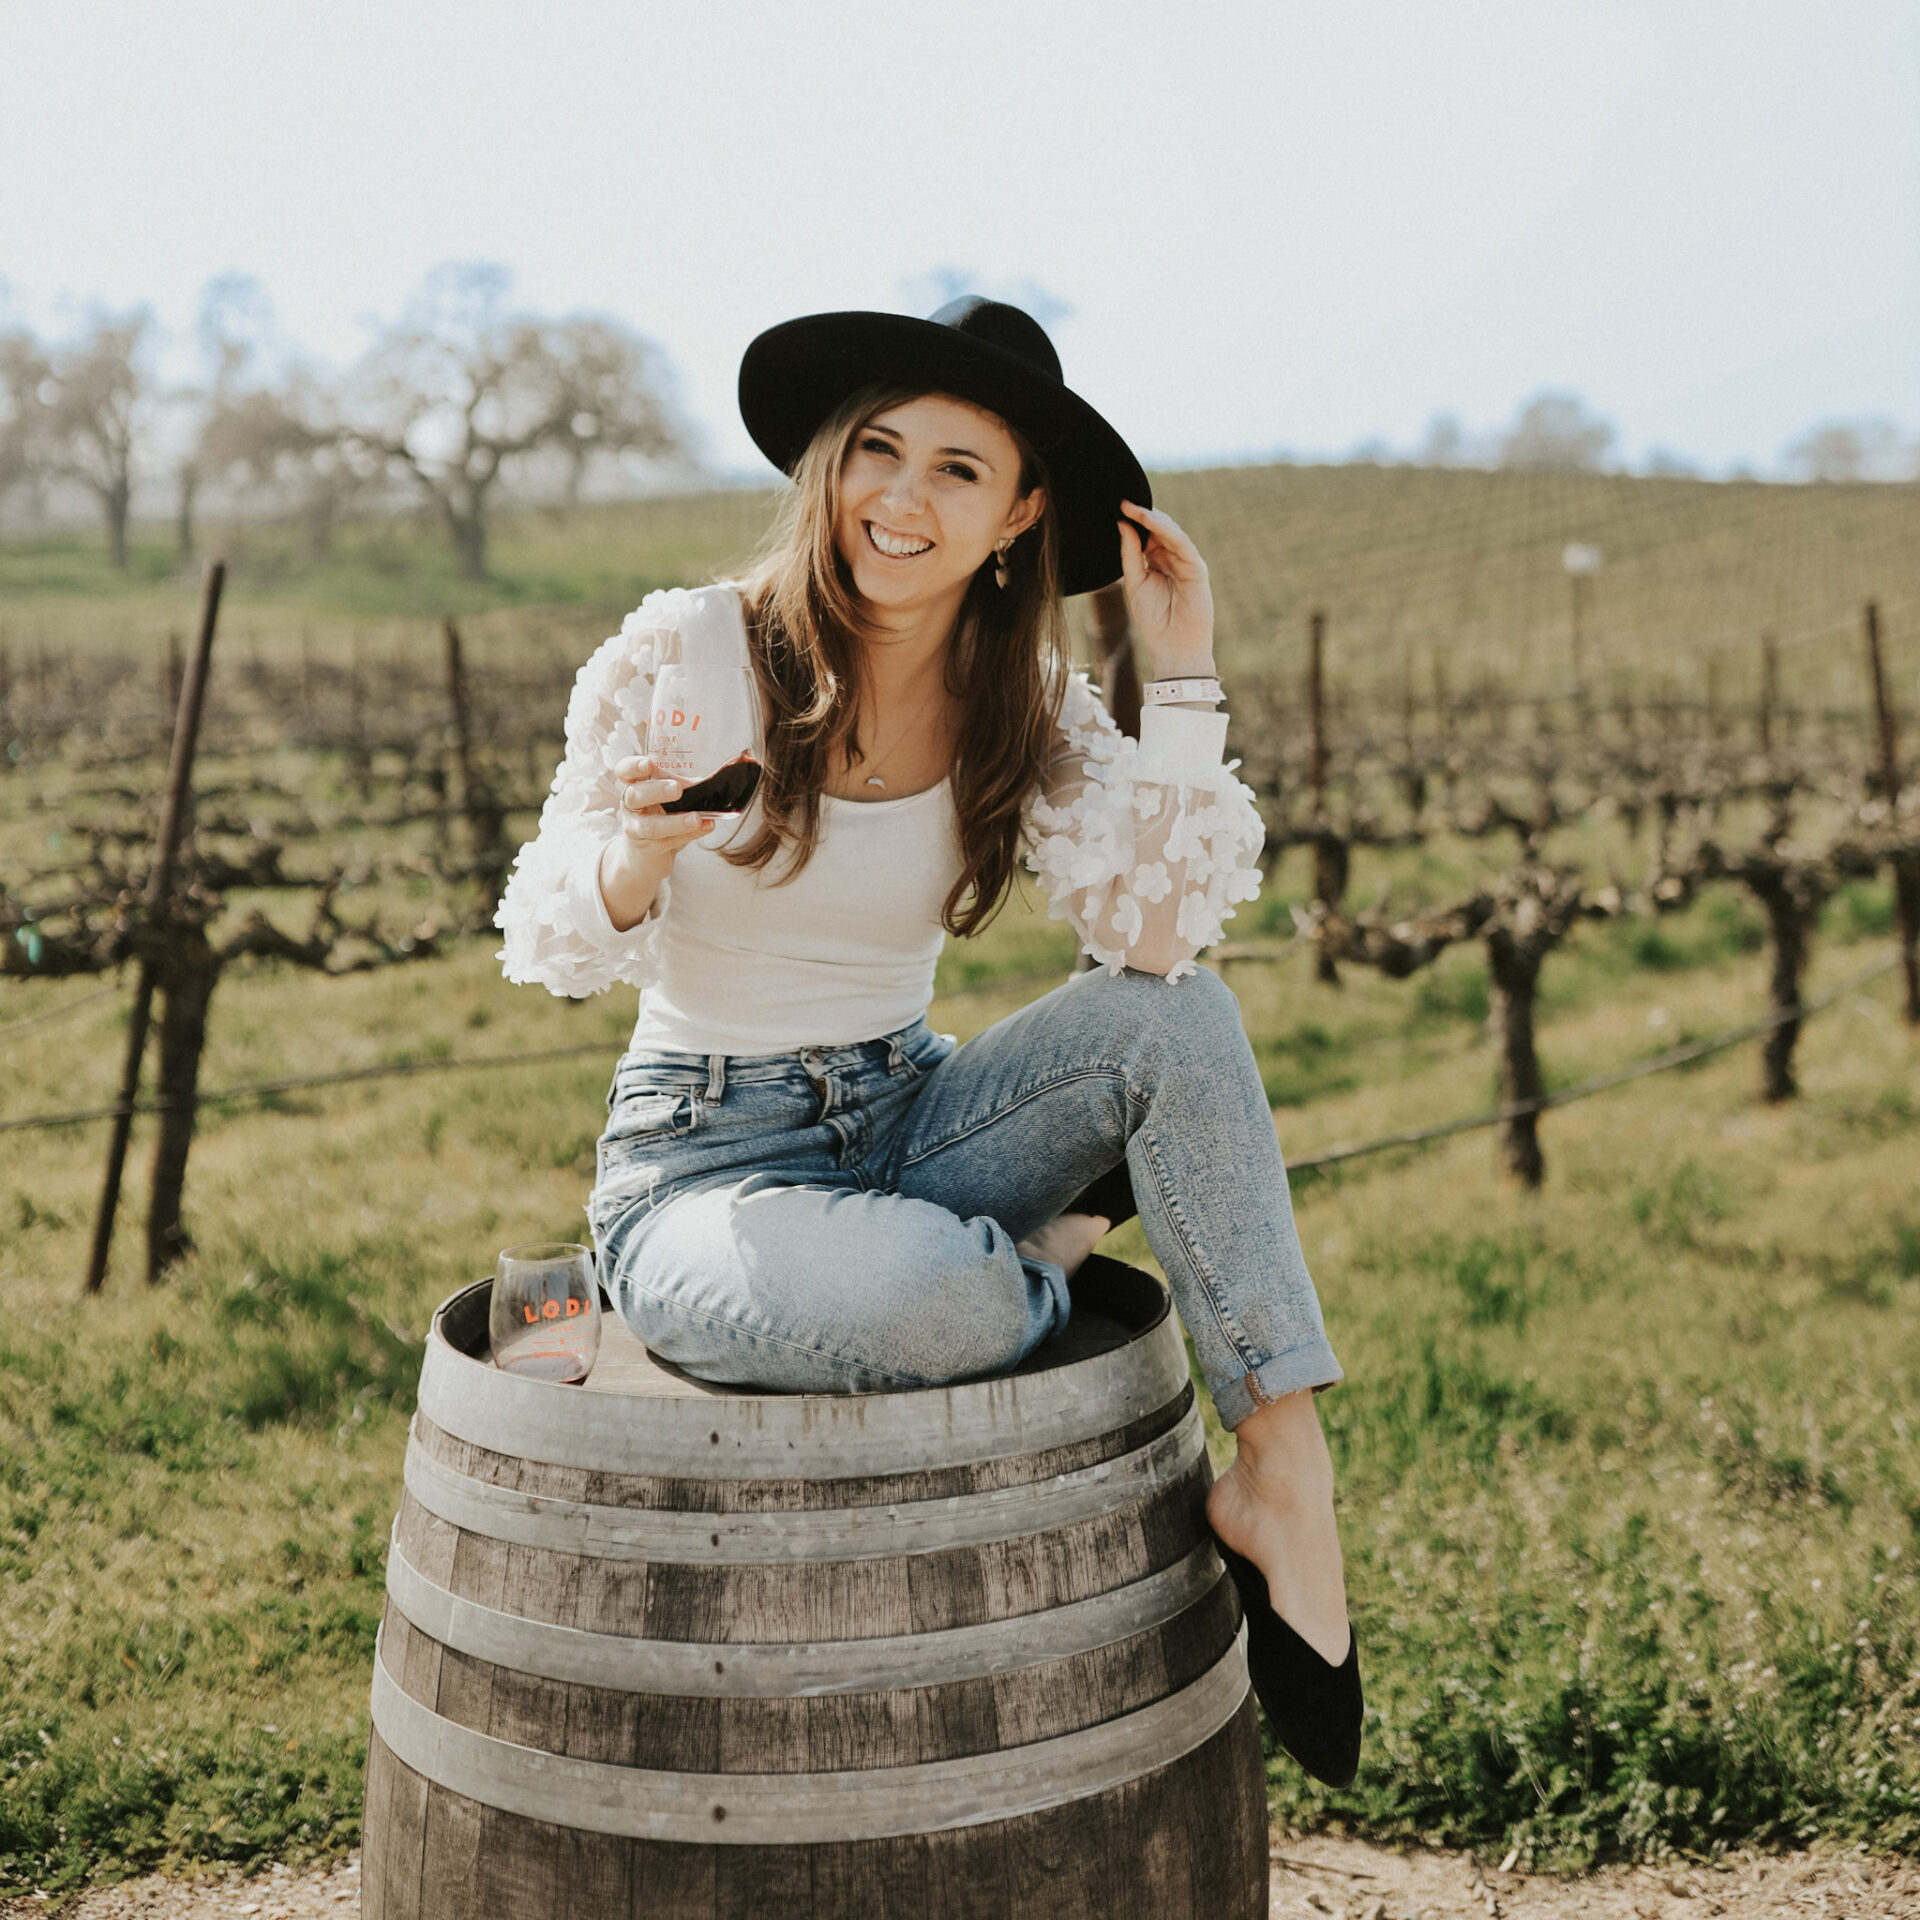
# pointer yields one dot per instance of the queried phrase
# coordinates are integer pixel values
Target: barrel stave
(522, 1707)
(677, 1735)
(426, 1541)
(678, 1880)
(393, 1836)
(466, 1691)
(479, 1570)
(884, 1877)
(461, 1859)
(603, 1723)
(966, 1876)
(594, 1872)
(1228, 1867)
(754, 1883)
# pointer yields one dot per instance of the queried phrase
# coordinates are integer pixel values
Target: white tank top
(845, 951)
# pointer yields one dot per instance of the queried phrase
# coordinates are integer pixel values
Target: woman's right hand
(641, 855)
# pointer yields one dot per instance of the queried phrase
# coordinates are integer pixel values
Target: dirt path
(1348, 1878)
(1331, 1879)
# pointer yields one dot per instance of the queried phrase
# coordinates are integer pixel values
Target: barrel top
(1119, 1357)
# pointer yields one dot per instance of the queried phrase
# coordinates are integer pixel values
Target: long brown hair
(1006, 665)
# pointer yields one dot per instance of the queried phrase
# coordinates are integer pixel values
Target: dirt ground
(1349, 1880)
(1312, 1876)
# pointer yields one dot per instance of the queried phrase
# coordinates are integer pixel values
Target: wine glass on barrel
(544, 1320)
(704, 731)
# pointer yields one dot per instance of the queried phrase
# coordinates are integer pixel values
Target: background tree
(234, 322)
(1556, 434)
(460, 392)
(92, 414)
(23, 372)
(1446, 444)
(1843, 450)
(285, 445)
(267, 425)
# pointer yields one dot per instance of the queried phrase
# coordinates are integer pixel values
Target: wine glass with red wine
(704, 731)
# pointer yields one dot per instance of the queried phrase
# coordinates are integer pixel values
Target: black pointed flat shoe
(1313, 1706)
(1111, 1196)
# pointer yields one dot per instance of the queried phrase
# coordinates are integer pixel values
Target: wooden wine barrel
(656, 1648)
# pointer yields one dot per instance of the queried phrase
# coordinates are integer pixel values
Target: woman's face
(930, 487)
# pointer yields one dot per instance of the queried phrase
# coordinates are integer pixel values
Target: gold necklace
(873, 779)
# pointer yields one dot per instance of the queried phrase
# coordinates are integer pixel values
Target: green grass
(1627, 1469)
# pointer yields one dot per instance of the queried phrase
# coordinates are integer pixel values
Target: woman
(801, 1186)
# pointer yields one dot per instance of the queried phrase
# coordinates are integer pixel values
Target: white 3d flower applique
(1198, 923)
(1127, 920)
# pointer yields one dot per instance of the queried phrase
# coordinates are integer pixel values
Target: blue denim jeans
(843, 1219)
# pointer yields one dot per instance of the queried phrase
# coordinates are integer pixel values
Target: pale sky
(1273, 225)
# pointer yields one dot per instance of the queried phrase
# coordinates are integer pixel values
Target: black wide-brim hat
(794, 375)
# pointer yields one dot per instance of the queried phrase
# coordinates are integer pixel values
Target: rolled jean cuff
(1310, 1366)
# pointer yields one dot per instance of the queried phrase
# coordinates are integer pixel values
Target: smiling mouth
(895, 546)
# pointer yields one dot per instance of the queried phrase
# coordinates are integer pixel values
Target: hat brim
(794, 375)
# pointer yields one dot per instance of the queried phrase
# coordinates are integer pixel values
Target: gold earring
(1000, 563)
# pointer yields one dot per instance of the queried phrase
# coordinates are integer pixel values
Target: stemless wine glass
(704, 731)
(545, 1316)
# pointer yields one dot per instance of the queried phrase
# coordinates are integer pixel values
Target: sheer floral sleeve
(1143, 845)
(558, 932)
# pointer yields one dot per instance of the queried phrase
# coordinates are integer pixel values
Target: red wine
(731, 790)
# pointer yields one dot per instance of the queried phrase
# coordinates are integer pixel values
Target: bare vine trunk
(464, 511)
(1906, 865)
(1331, 860)
(1791, 926)
(469, 544)
(1906, 900)
(116, 503)
(1513, 971)
(188, 975)
(183, 517)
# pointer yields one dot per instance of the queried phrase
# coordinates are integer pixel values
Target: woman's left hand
(1167, 593)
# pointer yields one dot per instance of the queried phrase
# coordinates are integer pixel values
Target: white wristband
(1180, 743)
(1168, 693)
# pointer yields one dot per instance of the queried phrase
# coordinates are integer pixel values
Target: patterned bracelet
(1165, 693)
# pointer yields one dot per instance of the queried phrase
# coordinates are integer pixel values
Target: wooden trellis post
(174, 808)
(1330, 858)
(1906, 868)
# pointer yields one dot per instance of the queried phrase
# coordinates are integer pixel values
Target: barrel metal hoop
(768, 1809)
(505, 1468)
(765, 1670)
(825, 1436)
(789, 1536)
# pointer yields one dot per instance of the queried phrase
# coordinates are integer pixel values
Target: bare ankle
(1281, 1445)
